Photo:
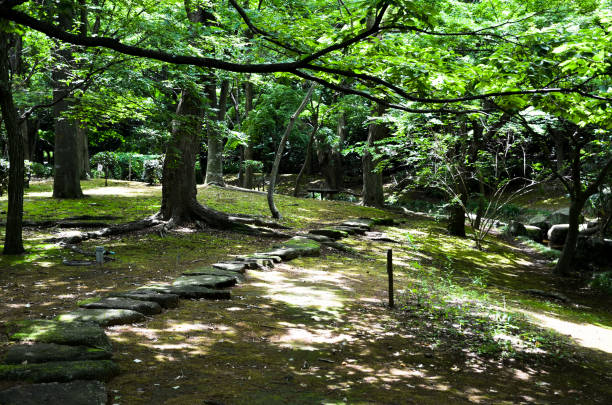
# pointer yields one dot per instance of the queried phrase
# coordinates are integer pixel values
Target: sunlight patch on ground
(586, 335)
(309, 339)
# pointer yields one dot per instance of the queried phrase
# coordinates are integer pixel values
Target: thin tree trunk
(372, 180)
(279, 152)
(13, 242)
(315, 128)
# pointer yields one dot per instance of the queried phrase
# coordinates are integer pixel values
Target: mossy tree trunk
(218, 108)
(248, 181)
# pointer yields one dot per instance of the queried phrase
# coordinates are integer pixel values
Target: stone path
(67, 360)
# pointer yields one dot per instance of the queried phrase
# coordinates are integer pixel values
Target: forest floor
(317, 330)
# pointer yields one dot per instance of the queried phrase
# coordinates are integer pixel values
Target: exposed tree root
(197, 214)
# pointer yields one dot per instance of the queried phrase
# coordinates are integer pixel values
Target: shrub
(152, 171)
(41, 171)
(4, 174)
(602, 282)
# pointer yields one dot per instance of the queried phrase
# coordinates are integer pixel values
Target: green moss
(61, 371)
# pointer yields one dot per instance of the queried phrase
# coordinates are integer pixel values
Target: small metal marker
(100, 255)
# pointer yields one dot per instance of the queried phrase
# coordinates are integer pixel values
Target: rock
(380, 237)
(534, 233)
(60, 371)
(515, 228)
(72, 393)
(274, 259)
(191, 292)
(164, 300)
(45, 352)
(205, 281)
(561, 216)
(557, 234)
(144, 307)
(539, 221)
(319, 238)
(238, 267)
(332, 233)
(66, 333)
(363, 223)
(351, 230)
(103, 317)
(383, 221)
(256, 263)
(296, 247)
(211, 271)
(594, 250)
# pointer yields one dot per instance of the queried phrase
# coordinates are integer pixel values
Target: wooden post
(390, 274)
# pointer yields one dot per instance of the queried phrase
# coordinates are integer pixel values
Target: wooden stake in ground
(279, 153)
(390, 274)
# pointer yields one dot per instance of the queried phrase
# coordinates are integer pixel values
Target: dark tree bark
(279, 153)
(13, 242)
(456, 219)
(308, 157)
(372, 180)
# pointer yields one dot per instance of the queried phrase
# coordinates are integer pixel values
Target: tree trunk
(84, 150)
(214, 164)
(13, 242)
(372, 180)
(296, 188)
(67, 154)
(248, 150)
(564, 265)
(279, 153)
(456, 220)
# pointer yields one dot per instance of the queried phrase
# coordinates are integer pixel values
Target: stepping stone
(238, 267)
(60, 371)
(334, 234)
(190, 292)
(45, 352)
(383, 221)
(66, 333)
(205, 281)
(144, 307)
(211, 271)
(380, 237)
(363, 223)
(350, 230)
(275, 259)
(72, 393)
(164, 300)
(256, 263)
(319, 238)
(103, 317)
(296, 247)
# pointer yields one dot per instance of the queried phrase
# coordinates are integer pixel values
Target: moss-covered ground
(317, 330)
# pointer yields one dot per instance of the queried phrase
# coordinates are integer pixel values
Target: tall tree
(372, 176)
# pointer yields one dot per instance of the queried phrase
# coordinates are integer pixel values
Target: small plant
(152, 170)
(602, 282)
(41, 171)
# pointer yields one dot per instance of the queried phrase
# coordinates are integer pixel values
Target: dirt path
(315, 331)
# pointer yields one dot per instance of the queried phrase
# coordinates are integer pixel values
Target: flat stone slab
(380, 237)
(319, 238)
(205, 281)
(72, 393)
(144, 307)
(364, 223)
(66, 333)
(275, 259)
(351, 230)
(191, 292)
(103, 317)
(256, 263)
(334, 234)
(238, 267)
(60, 371)
(45, 352)
(164, 300)
(296, 247)
(383, 221)
(211, 271)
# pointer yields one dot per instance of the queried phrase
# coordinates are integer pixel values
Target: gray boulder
(72, 393)
(557, 234)
(45, 352)
(144, 307)
(535, 233)
(561, 216)
(594, 250)
(103, 317)
(515, 228)
(66, 333)
(540, 221)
